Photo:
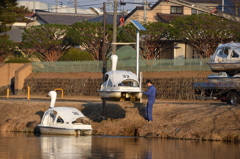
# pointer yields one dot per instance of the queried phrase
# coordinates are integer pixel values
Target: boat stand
(103, 109)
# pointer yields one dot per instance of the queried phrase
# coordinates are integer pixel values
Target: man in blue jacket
(151, 93)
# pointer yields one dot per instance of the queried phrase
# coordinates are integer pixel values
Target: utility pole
(104, 68)
(222, 5)
(109, 4)
(145, 12)
(104, 40)
(75, 6)
(56, 6)
(114, 28)
(236, 8)
(34, 6)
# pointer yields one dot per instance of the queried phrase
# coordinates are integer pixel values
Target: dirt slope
(94, 75)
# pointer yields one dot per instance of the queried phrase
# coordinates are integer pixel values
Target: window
(106, 77)
(234, 54)
(176, 10)
(194, 11)
(130, 83)
(109, 83)
(226, 51)
(200, 12)
(220, 51)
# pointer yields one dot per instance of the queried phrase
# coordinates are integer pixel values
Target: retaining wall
(20, 75)
(7, 74)
(167, 88)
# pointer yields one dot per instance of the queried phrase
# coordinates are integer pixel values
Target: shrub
(18, 60)
(75, 54)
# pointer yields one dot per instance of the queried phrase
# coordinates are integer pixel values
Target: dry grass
(204, 121)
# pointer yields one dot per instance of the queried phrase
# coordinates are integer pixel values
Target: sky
(85, 4)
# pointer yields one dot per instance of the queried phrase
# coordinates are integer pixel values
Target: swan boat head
(53, 95)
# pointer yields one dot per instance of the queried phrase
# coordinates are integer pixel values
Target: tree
(89, 35)
(155, 42)
(204, 32)
(7, 48)
(6, 16)
(48, 40)
(10, 13)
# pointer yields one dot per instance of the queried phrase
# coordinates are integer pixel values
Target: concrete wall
(7, 77)
(20, 75)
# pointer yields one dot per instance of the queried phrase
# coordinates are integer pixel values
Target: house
(109, 18)
(166, 10)
(44, 13)
(39, 18)
(60, 18)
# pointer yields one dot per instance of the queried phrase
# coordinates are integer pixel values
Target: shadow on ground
(94, 111)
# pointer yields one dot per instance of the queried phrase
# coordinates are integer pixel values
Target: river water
(30, 146)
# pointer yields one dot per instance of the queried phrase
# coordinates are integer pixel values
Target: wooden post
(28, 97)
(8, 90)
(60, 89)
(104, 108)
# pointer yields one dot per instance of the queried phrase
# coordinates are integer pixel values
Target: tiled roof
(29, 15)
(206, 1)
(133, 11)
(167, 18)
(109, 19)
(60, 18)
(15, 34)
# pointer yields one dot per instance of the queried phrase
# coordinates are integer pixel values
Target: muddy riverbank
(181, 120)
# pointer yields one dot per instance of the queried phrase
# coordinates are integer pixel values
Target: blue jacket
(151, 93)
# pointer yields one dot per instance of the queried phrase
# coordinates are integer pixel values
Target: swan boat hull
(120, 95)
(120, 85)
(64, 120)
(226, 59)
(225, 67)
(64, 131)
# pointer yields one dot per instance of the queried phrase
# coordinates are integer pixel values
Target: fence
(130, 65)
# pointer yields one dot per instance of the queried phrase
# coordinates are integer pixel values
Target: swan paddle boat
(120, 84)
(64, 120)
(226, 59)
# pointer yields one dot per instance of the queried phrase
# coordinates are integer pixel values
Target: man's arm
(149, 91)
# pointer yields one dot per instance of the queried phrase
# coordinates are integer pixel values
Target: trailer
(224, 84)
(224, 91)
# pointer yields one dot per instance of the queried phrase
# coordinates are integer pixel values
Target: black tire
(233, 98)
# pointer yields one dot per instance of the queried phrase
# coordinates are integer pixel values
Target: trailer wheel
(233, 98)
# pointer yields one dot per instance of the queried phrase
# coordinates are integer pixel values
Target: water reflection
(65, 146)
(22, 146)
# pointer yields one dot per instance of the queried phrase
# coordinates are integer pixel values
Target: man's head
(149, 83)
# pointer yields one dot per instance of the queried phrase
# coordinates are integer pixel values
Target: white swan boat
(120, 84)
(226, 59)
(64, 120)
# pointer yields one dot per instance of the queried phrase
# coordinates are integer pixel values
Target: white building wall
(52, 8)
(179, 51)
(20, 24)
(189, 52)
